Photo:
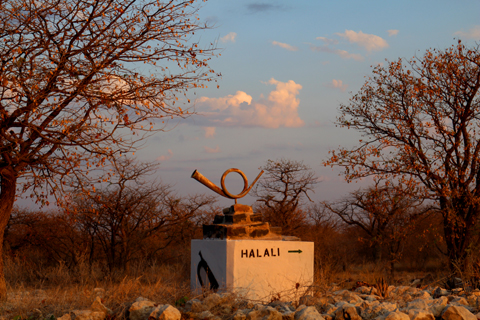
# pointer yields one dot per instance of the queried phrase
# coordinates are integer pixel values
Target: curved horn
(223, 191)
(209, 184)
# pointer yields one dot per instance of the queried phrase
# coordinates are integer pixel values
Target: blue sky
(286, 67)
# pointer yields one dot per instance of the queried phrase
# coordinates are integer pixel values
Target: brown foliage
(419, 122)
(73, 85)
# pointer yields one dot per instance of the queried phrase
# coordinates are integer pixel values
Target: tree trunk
(457, 237)
(8, 184)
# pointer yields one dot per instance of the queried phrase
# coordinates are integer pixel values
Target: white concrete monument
(241, 253)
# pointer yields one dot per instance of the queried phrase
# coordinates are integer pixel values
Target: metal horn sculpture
(223, 191)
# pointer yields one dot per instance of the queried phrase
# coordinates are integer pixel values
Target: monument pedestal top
(238, 222)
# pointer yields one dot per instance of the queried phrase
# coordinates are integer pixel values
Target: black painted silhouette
(209, 275)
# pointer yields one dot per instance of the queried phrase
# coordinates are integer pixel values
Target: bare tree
(121, 218)
(385, 214)
(82, 81)
(420, 123)
(281, 192)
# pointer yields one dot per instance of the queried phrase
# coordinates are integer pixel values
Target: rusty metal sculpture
(223, 191)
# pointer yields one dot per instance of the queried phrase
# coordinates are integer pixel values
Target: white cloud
(280, 109)
(211, 150)
(337, 84)
(347, 55)
(473, 33)
(392, 32)
(342, 53)
(284, 46)
(229, 37)
(164, 158)
(328, 41)
(209, 132)
(368, 41)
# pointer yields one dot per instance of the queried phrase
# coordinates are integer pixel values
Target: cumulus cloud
(328, 41)
(229, 37)
(280, 109)
(473, 33)
(284, 46)
(369, 41)
(342, 53)
(209, 132)
(164, 158)
(337, 84)
(392, 32)
(212, 150)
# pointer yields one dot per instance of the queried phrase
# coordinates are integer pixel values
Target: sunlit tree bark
(82, 81)
(420, 124)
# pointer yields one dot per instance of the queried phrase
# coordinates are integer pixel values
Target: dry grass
(35, 291)
(56, 291)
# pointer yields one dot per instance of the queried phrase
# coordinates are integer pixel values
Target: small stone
(452, 312)
(205, 315)
(165, 312)
(307, 313)
(98, 306)
(436, 306)
(141, 309)
(417, 314)
(348, 312)
(212, 300)
(261, 312)
(194, 305)
(459, 301)
(308, 300)
(239, 315)
(397, 315)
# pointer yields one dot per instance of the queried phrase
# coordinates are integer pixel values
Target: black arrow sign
(295, 251)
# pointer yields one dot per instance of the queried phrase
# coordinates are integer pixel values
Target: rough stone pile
(239, 222)
(400, 303)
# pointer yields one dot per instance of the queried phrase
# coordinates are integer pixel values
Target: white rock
(165, 312)
(459, 301)
(397, 315)
(347, 312)
(417, 314)
(141, 309)
(417, 304)
(212, 300)
(452, 312)
(307, 313)
(205, 315)
(436, 306)
(264, 313)
(239, 315)
(98, 306)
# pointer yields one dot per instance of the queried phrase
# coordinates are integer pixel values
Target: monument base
(263, 270)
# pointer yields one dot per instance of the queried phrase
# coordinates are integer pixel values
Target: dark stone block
(219, 219)
(256, 233)
(235, 218)
(256, 218)
(214, 231)
(236, 231)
